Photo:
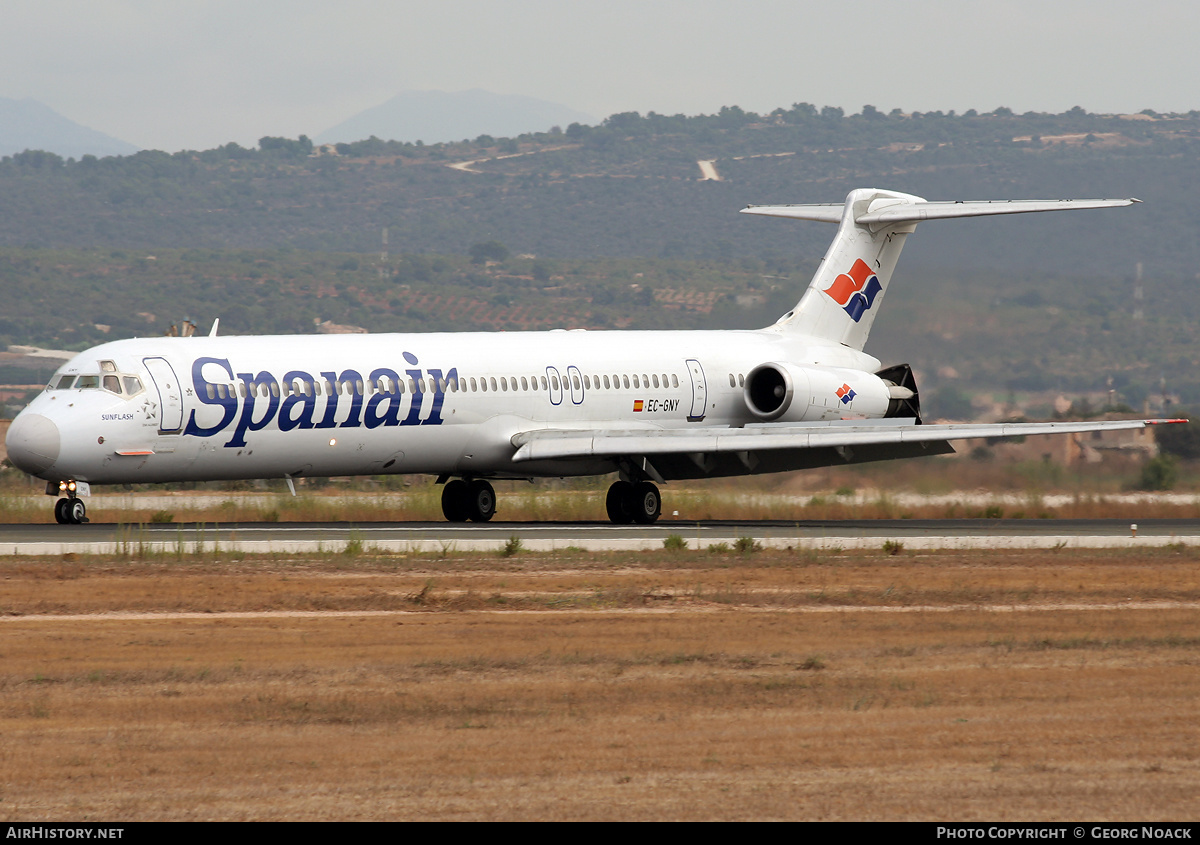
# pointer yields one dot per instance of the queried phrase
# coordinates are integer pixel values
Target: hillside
(624, 232)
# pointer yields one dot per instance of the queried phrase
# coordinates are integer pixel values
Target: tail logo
(855, 291)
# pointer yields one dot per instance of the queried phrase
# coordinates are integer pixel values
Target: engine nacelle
(771, 389)
(787, 393)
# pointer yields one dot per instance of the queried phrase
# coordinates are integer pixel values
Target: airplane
(653, 406)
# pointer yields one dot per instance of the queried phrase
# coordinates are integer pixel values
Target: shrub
(747, 545)
(674, 543)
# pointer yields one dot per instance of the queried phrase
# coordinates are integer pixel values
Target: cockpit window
(87, 383)
(64, 382)
(113, 384)
(133, 385)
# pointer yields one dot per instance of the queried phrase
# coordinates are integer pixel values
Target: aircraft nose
(33, 443)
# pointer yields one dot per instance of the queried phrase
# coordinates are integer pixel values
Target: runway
(440, 537)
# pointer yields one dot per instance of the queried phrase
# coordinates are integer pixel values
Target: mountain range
(439, 116)
(29, 125)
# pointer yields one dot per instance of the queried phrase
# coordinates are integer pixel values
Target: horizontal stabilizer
(889, 212)
(552, 444)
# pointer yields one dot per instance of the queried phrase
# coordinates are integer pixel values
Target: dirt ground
(668, 685)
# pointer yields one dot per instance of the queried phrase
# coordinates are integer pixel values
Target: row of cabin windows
(358, 387)
(740, 381)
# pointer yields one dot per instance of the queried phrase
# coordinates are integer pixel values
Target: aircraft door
(170, 395)
(699, 391)
(556, 393)
(576, 379)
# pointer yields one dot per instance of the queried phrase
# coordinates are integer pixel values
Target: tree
(1158, 474)
(481, 253)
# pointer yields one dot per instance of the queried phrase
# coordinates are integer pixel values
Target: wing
(872, 439)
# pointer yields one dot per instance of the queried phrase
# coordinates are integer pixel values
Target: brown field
(685, 685)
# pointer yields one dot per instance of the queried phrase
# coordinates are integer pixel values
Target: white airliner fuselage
(653, 406)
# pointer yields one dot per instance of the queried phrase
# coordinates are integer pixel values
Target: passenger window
(674, 380)
(220, 391)
(545, 383)
(732, 381)
(607, 383)
(113, 384)
(636, 384)
(656, 379)
(741, 380)
(474, 386)
(275, 389)
(587, 383)
(133, 385)
(554, 382)
(524, 383)
(625, 381)
(208, 388)
(575, 382)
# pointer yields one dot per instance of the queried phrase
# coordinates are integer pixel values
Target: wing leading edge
(559, 444)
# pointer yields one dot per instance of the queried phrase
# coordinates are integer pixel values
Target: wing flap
(550, 444)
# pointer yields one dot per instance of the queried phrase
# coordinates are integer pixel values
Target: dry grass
(1022, 685)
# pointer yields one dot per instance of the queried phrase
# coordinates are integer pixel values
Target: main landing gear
(70, 511)
(629, 501)
(473, 500)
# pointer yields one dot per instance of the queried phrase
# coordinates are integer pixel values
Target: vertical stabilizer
(847, 290)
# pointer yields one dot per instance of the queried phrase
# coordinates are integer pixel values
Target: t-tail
(847, 290)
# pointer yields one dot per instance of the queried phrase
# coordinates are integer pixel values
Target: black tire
(645, 503)
(619, 503)
(481, 501)
(454, 501)
(76, 511)
(60, 511)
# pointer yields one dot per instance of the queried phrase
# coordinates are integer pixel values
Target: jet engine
(787, 393)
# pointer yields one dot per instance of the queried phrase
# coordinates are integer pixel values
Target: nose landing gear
(70, 511)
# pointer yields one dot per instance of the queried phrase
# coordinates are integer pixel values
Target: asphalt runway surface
(191, 538)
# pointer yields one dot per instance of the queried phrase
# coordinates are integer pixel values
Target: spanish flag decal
(637, 404)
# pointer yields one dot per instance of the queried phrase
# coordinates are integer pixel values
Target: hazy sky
(186, 74)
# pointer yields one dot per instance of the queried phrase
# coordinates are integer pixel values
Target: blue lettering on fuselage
(292, 402)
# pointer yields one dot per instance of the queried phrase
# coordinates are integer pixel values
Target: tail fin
(846, 291)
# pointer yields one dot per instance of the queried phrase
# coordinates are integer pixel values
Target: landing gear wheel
(76, 511)
(481, 501)
(454, 501)
(619, 502)
(60, 511)
(646, 503)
